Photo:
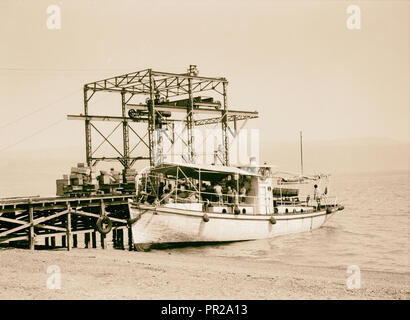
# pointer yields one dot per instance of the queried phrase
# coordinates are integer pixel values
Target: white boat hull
(175, 225)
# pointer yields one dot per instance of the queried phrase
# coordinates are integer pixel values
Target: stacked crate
(129, 180)
(116, 176)
(129, 175)
(104, 178)
(82, 180)
(109, 181)
(80, 175)
(62, 185)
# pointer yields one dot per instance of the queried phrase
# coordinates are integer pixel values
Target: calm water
(372, 232)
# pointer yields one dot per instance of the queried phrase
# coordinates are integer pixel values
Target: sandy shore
(162, 274)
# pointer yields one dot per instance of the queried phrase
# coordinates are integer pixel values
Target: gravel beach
(166, 274)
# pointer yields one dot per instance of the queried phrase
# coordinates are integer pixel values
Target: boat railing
(194, 193)
(308, 200)
(179, 195)
(205, 197)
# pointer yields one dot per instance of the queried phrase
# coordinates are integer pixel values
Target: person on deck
(317, 195)
(210, 192)
(316, 192)
(161, 189)
(229, 194)
(218, 191)
(243, 194)
(230, 182)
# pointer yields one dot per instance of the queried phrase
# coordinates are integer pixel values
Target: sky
(295, 62)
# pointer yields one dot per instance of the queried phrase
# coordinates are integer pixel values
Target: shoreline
(162, 274)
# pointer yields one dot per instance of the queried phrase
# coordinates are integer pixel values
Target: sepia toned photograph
(220, 151)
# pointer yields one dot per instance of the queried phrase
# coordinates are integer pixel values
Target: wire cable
(7, 124)
(32, 135)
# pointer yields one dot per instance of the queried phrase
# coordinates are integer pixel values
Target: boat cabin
(251, 189)
(217, 189)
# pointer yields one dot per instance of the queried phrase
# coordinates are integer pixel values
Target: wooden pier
(48, 223)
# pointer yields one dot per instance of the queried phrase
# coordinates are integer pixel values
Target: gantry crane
(166, 95)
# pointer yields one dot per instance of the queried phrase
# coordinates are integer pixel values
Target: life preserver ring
(272, 220)
(205, 217)
(104, 225)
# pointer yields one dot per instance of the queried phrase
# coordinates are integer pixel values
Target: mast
(301, 155)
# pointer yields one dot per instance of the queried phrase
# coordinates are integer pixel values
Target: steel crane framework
(165, 95)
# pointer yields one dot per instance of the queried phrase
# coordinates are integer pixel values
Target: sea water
(372, 232)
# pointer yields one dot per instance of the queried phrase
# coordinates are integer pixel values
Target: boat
(184, 203)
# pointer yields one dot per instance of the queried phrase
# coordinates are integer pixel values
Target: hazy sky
(295, 62)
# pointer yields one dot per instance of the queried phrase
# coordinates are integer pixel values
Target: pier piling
(60, 222)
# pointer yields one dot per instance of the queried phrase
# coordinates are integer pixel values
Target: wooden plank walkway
(64, 222)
